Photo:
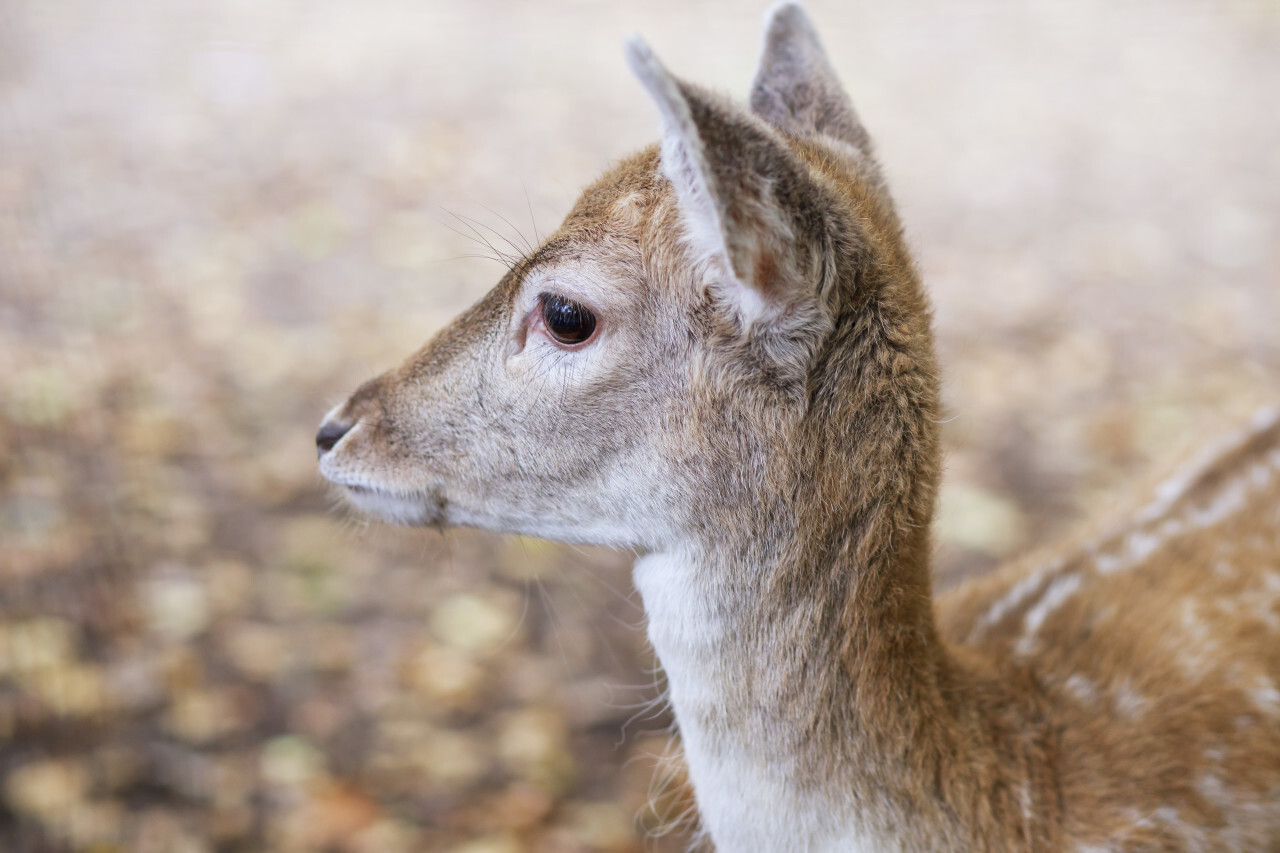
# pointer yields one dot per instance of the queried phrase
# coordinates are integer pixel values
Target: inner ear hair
(743, 193)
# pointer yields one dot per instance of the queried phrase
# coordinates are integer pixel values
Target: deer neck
(816, 705)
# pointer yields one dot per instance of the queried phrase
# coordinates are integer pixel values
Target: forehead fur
(610, 220)
(635, 177)
(630, 216)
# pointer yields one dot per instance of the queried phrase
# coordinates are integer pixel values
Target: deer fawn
(724, 359)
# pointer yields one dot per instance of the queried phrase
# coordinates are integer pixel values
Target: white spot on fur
(1024, 800)
(1137, 546)
(1265, 420)
(1143, 545)
(1195, 649)
(1167, 816)
(1054, 597)
(1082, 688)
(1108, 563)
(1129, 702)
(1019, 593)
(1246, 820)
(1212, 789)
(1231, 498)
(1265, 696)
(1175, 487)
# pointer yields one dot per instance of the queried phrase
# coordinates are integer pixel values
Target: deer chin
(416, 509)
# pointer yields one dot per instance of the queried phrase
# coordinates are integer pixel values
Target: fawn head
(722, 326)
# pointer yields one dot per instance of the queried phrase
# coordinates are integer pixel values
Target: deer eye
(567, 321)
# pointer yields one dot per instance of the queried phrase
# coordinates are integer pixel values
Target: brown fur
(799, 457)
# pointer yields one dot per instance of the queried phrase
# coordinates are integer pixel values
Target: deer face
(536, 410)
(647, 372)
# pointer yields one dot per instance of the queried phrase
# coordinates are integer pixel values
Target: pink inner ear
(764, 275)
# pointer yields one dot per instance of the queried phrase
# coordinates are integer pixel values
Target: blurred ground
(215, 220)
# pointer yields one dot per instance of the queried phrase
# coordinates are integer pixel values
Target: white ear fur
(684, 163)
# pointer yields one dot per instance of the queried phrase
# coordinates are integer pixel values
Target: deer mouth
(395, 507)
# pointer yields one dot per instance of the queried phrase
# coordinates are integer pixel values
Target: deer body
(724, 360)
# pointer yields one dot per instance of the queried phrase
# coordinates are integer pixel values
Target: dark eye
(567, 321)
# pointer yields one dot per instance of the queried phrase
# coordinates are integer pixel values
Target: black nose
(331, 432)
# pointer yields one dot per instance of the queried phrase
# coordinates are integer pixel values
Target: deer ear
(795, 89)
(746, 202)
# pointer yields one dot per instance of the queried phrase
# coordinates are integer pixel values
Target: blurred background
(217, 219)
